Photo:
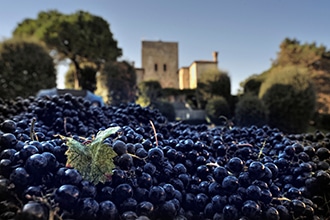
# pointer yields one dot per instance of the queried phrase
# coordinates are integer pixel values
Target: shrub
(25, 68)
(212, 83)
(116, 83)
(250, 110)
(290, 97)
(216, 107)
(149, 92)
(166, 108)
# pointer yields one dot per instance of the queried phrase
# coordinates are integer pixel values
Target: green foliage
(250, 110)
(289, 95)
(25, 68)
(79, 37)
(251, 85)
(94, 160)
(116, 83)
(212, 83)
(216, 107)
(323, 121)
(149, 92)
(294, 53)
(87, 80)
(166, 108)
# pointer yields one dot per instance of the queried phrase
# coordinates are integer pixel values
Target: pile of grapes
(163, 170)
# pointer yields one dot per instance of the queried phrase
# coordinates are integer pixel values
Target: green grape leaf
(78, 156)
(102, 163)
(94, 160)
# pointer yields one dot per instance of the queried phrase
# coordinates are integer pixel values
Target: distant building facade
(188, 76)
(160, 62)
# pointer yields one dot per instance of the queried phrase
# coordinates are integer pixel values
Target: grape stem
(32, 132)
(64, 124)
(154, 129)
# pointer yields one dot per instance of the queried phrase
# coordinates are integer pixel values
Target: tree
(292, 52)
(213, 83)
(289, 95)
(251, 85)
(79, 37)
(217, 107)
(316, 58)
(88, 77)
(116, 83)
(25, 68)
(149, 92)
(250, 110)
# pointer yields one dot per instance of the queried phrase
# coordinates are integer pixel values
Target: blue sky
(246, 33)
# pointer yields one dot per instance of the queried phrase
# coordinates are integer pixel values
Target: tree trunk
(76, 74)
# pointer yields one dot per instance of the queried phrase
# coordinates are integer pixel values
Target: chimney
(215, 56)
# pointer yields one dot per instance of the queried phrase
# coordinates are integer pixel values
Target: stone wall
(160, 62)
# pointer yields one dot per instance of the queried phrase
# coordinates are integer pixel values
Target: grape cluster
(175, 171)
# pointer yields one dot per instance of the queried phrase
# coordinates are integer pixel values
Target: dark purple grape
(272, 214)
(34, 211)
(71, 176)
(119, 147)
(283, 212)
(8, 153)
(169, 190)
(157, 195)
(167, 210)
(122, 192)
(266, 196)
(125, 161)
(298, 207)
(253, 192)
(51, 161)
(67, 196)
(87, 208)
(230, 184)
(27, 151)
(230, 212)
(256, 170)
(107, 210)
(128, 205)
(145, 180)
(293, 193)
(8, 126)
(87, 189)
(251, 209)
(145, 208)
(149, 168)
(201, 200)
(7, 140)
(156, 155)
(235, 165)
(5, 167)
(20, 177)
(32, 191)
(236, 200)
(219, 173)
(129, 215)
(36, 164)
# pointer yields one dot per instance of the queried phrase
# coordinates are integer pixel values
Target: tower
(160, 62)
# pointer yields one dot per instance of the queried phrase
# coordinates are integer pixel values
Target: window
(164, 67)
(156, 67)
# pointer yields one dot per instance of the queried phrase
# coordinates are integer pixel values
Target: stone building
(160, 62)
(188, 76)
